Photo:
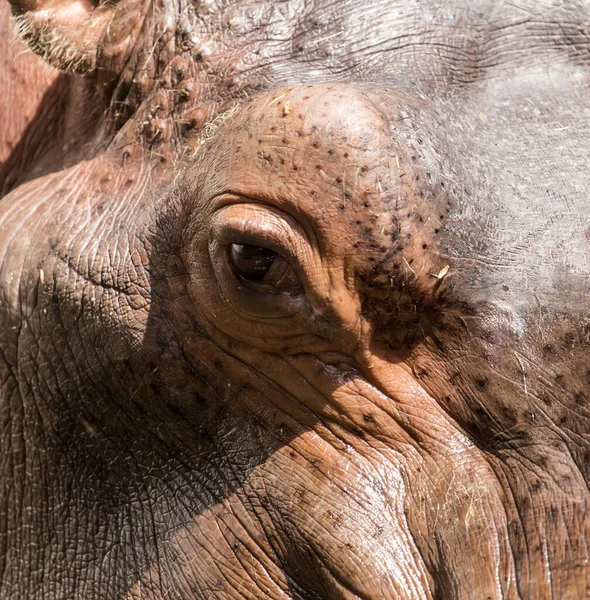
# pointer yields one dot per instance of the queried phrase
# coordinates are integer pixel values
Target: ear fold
(73, 35)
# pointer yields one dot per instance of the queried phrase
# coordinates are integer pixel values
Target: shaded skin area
(22, 75)
(398, 409)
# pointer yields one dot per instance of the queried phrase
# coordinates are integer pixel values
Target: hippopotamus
(294, 299)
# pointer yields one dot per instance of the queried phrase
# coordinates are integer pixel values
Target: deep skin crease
(411, 420)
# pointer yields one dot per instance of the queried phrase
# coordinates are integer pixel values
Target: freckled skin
(401, 410)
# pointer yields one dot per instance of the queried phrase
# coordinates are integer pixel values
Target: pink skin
(22, 76)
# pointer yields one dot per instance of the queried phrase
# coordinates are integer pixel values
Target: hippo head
(291, 333)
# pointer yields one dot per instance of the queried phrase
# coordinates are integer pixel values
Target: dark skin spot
(358, 432)
(481, 412)
(569, 339)
(546, 399)
(579, 398)
(176, 410)
(482, 382)
(509, 413)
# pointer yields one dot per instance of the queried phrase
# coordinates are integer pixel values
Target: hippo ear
(77, 35)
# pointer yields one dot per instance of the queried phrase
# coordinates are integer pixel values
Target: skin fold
(399, 408)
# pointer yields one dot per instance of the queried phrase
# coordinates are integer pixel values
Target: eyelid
(263, 226)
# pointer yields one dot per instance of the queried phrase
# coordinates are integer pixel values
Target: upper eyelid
(269, 237)
(299, 224)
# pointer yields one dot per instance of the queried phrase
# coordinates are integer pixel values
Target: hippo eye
(251, 262)
(263, 269)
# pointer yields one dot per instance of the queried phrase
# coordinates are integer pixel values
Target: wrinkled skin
(402, 409)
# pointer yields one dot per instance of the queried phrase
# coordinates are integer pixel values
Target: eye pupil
(251, 262)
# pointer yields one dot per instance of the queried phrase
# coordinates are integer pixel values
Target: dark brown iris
(252, 263)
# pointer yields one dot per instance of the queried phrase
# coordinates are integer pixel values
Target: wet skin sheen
(294, 302)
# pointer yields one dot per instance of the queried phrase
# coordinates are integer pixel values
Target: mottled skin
(404, 412)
